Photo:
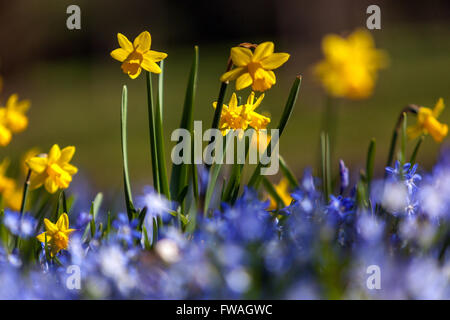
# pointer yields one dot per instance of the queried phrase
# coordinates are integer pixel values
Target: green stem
(126, 179)
(408, 109)
(254, 179)
(416, 150)
(151, 126)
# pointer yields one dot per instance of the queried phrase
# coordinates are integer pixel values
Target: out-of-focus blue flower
(344, 175)
(126, 230)
(24, 226)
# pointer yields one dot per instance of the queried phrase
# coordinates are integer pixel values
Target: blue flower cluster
(310, 249)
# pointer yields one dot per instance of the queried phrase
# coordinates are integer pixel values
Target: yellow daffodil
(13, 118)
(11, 195)
(427, 123)
(350, 66)
(14, 114)
(255, 68)
(53, 170)
(57, 234)
(5, 134)
(236, 116)
(283, 191)
(137, 55)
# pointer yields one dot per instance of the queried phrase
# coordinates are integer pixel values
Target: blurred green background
(75, 86)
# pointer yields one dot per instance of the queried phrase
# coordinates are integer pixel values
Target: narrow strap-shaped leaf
(95, 207)
(288, 173)
(370, 163)
(179, 178)
(123, 129)
(412, 160)
(163, 181)
(290, 104)
(151, 127)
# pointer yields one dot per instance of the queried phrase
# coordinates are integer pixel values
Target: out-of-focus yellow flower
(427, 123)
(255, 68)
(236, 116)
(52, 170)
(13, 118)
(13, 114)
(282, 189)
(350, 66)
(137, 55)
(12, 196)
(5, 134)
(57, 234)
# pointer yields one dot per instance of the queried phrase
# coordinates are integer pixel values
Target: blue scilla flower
(340, 206)
(410, 179)
(126, 230)
(24, 226)
(397, 171)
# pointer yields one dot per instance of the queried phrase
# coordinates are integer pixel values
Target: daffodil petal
(263, 50)
(414, 131)
(438, 108)
(54, 154)
(232, 74)
(67, 154)
(70, 169)
(41, 237)
(243, 81)
(241, 56)
(150, 66)
(120, 54)
(50, 185)
(63, 222)
(50, 227)
(155, 56)
(37, 180)
(274, 61)
(143, 41)
(37, 164)
(124, 42)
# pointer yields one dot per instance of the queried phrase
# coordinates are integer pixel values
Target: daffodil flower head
(52, 170)
(5, 134)
(12, 196)
(350, 66)
(56, 234)
(235, 117)
(427, 123)
(137, 55)
(13, 114)
(255, 68)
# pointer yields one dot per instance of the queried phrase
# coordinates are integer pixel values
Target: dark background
(75, 86)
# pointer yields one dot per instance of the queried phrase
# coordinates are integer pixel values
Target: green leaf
(370, 162)
(95, 207)
(163, 181)
(179, 177)
(326, 169)
(151, 127)
(290, 104)
(412, 160)
(126, 179)
(288, 173)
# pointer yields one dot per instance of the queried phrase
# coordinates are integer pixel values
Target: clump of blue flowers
(312, 248)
